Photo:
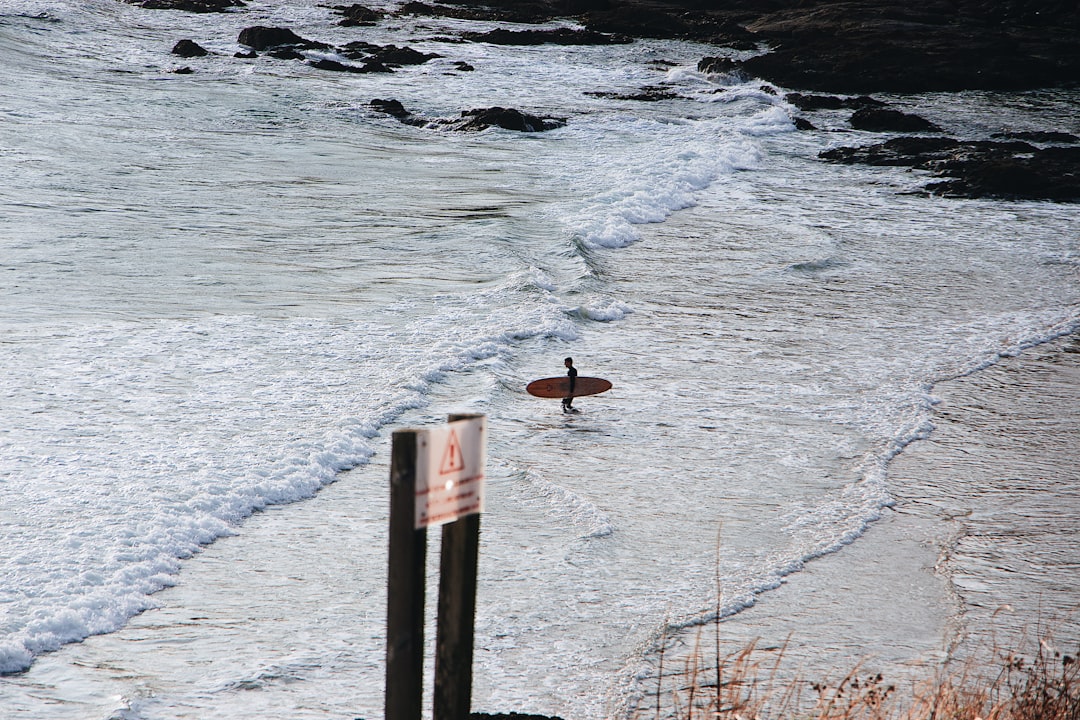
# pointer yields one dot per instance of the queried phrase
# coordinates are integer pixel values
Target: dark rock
(648, 94)
(909, 151)
(387, 55)
(1040, 136)
(463, 66)
(188, 49)
(842, 46)
(183, 71)
(815, 102)
(974, 169)
(724, 66)
(393, 55)
(560, 36)
(1048, 174)
(195, 6)
(264, 38)
(688, 20)
(577, 7)
(395, 109)
(335, 66)
(506, 118)
(286, 53)
(637, 21)
(417, 8)
(358, 49)
(830, 102)
(374, 66)
(718, 65)
(876, 119)
(858, 46)
(803, 124)
(357, 15)
(246, 55)
(518, 11)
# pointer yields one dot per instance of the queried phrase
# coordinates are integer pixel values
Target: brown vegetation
(738, 686)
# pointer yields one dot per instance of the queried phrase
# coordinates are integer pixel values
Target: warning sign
(450, 462)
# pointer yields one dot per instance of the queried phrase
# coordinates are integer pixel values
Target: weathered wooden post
(405, 586)
(458, 566)
(436, 478)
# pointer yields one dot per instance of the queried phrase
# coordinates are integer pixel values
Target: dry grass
(1044, 685)
(737, 686)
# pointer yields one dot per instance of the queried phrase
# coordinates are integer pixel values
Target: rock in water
(877, 119)
(978, 168)
(505, 118)
(188, 49)
(195, 6)
(264, 38)
(358, 15)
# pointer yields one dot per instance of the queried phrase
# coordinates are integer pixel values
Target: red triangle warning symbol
(452, 460)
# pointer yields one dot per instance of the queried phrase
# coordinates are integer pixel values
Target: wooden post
(457, 615)
(405, 587)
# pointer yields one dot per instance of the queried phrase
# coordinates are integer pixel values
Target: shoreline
(974, 562)
(999, 473)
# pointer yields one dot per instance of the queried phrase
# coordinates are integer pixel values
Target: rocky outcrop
(723, 66)
(647, 94)
(836, 46)
(189, 49)
(386, 54)
(973, 169)
(862, 46)
(357, 15)
(505, 118)
(396, 110)
(831, 102)
(284, 44)
(1040, 136)
(671, 21)
(265, 38)
(841, 46)
(879, 119)
(1047, 174)
(560, 36)
(195, 6)
(471, 120)
(515, 11)
(335, 66)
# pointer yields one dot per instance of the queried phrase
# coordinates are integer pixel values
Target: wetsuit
(571, 373)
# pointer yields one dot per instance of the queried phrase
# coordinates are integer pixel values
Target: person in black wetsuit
(571, 372)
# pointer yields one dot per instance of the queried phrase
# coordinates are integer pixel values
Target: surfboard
(559, 387)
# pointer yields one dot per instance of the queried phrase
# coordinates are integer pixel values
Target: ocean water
(223, 290)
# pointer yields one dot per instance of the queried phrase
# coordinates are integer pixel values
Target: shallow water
(223, 291)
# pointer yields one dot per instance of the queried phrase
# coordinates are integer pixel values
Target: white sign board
(450, 462)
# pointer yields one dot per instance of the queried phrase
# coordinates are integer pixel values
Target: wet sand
(979, 549)
(1001, 474)
(979, 555)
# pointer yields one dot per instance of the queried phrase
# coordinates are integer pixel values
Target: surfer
(571, 372)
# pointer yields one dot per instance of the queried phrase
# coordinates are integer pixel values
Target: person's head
(568, 362)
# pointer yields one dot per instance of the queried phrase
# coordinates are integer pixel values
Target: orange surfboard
(559, 387)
